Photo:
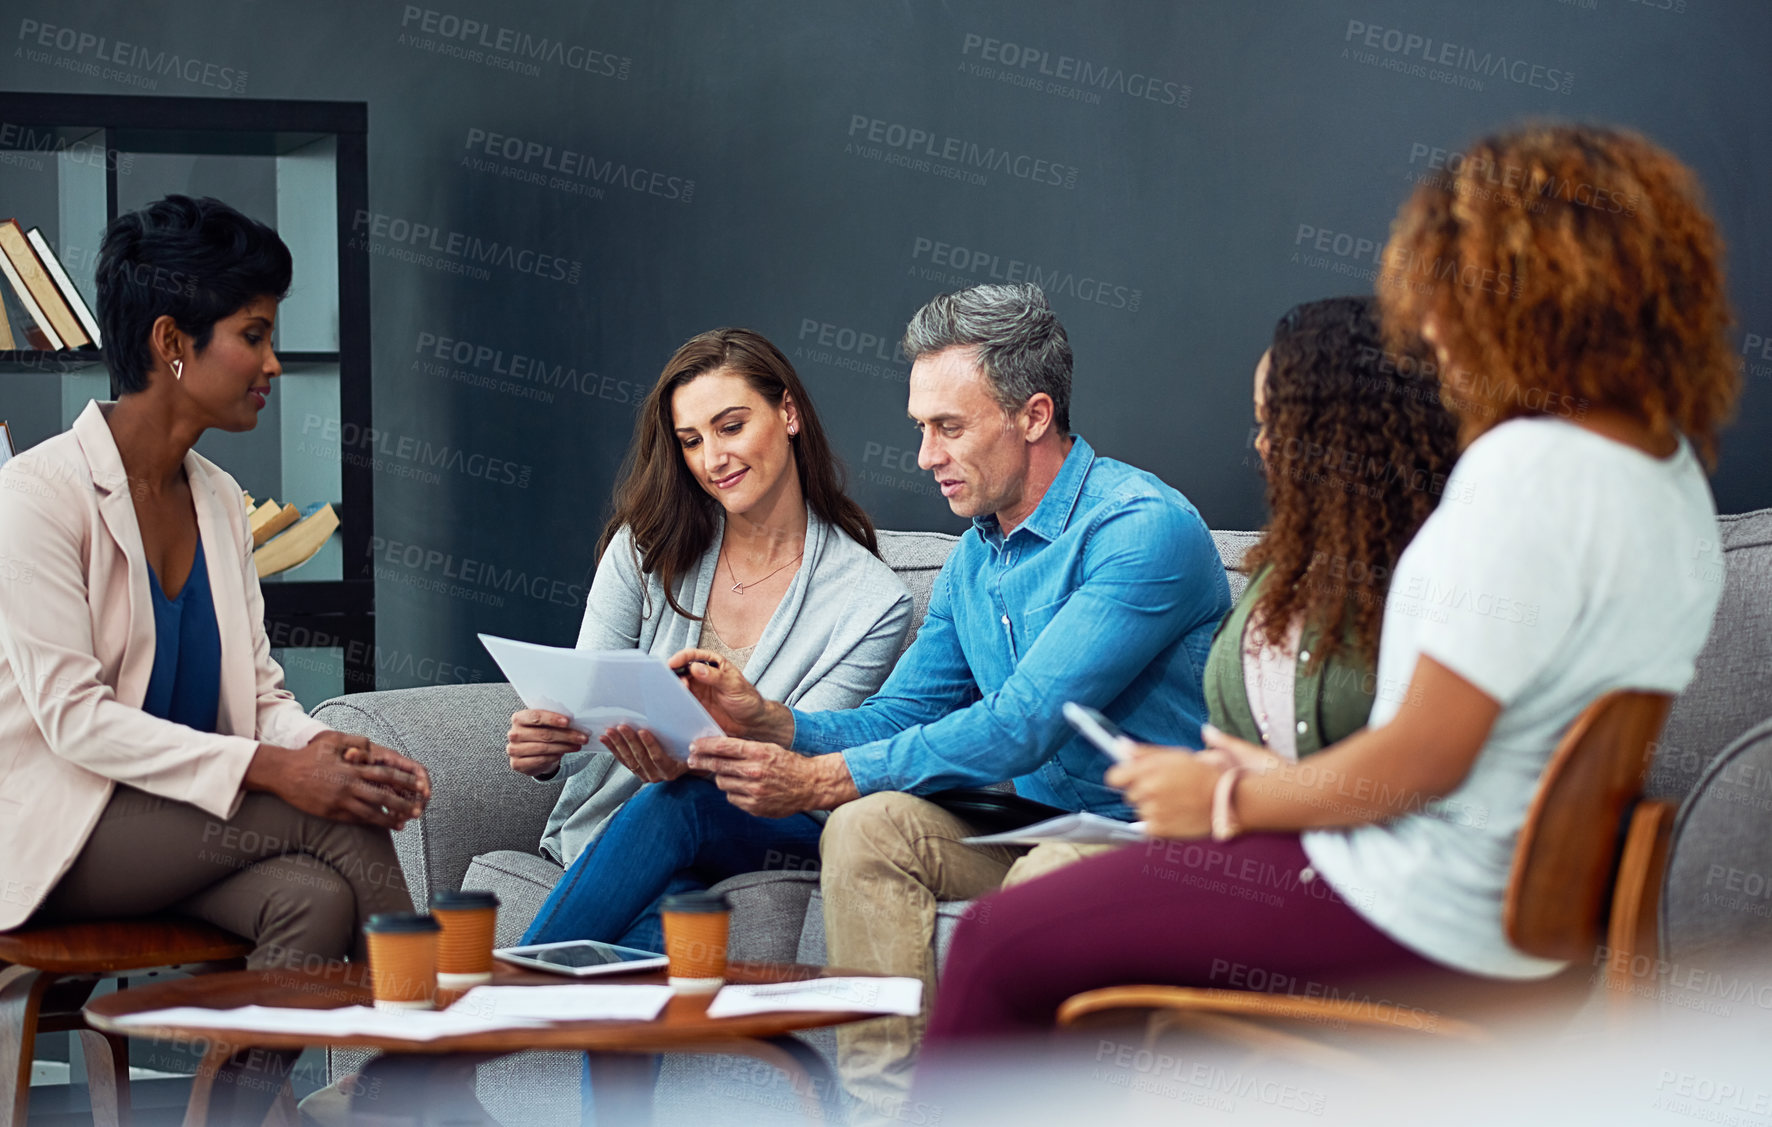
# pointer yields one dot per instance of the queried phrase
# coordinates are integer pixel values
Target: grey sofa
(484, 820)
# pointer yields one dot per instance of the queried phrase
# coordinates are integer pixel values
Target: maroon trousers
(1248, 914)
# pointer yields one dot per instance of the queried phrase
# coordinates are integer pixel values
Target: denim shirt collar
(1050, 516)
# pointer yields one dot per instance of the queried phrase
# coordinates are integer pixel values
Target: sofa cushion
(1232, 546)
(478, 803)
(916, 557)
(1732, 688)
(522, 881)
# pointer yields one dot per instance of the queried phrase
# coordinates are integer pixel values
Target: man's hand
(733, 702)
(770, 781)
(1172, 790)
(640, 752)
(538, 739)
(319, 779)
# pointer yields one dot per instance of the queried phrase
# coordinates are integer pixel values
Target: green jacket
(1331, 698)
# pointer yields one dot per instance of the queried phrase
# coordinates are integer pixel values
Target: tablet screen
(585, 953)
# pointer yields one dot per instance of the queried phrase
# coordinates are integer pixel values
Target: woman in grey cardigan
(731, 534)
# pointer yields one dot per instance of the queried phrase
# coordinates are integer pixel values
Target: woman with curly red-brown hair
(1587, 386)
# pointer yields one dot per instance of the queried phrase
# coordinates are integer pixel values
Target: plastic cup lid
(400, 923)
(467, 898)
(696, 902)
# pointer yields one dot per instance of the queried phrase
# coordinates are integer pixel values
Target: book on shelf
(299, 544)
(7, 341)
(6, 450)
(33, 276)
(35, 326)
(69, 292)
(269, 519)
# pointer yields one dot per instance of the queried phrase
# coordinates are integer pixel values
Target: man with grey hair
(1081, 579)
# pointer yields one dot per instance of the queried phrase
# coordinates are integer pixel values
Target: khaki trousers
(887, 860)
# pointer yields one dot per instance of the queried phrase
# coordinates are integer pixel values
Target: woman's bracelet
(1224, 815)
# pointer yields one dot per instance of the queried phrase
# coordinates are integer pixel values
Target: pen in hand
(683, 670)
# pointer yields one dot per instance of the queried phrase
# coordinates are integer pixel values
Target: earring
(178, 369)
(793, 428)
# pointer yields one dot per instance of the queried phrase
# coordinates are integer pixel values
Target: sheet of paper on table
(345, 1021)
(1078, 829)
(589, 1002)
(900, 996)
(600, 688)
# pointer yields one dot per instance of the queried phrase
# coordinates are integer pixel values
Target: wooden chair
(1587, 868)
(47, 973)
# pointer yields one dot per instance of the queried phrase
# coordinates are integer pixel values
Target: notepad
(597, 689)
(598, 1002)
(901, 996)
(344, 1021)
(1077, 829)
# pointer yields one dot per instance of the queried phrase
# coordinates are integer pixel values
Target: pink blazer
(77, 648)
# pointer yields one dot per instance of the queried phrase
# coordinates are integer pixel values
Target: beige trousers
(887, 860)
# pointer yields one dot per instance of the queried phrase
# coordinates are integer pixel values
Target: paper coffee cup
(464, 949)
(695, 930)
(402, 960)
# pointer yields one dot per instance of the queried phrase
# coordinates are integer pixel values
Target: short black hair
(194, 260)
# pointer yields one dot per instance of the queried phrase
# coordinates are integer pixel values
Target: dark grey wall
(813, 170)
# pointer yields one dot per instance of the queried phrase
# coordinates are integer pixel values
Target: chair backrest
(1568, 848)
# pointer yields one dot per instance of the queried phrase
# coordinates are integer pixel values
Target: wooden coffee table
(413, 1078)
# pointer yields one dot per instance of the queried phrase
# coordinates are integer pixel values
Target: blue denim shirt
(1107, 594)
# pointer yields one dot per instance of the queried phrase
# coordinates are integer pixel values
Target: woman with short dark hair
(153, 760)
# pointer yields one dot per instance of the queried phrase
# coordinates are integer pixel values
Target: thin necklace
(738, 588)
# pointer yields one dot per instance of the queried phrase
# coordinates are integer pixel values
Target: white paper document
(900, 996)
(600, 688)
(564, 1003)
(345, 1021)
(1078, 829)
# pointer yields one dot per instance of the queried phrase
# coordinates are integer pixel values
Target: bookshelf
(71, 162)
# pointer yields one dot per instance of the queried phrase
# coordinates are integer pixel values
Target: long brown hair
(1359, 450)
(1568, 267)
(672, 518)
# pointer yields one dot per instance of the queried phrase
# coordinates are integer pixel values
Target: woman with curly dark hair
(1571, 564)
(1356, 447)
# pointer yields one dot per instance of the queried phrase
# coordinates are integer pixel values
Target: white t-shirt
(1559, 565)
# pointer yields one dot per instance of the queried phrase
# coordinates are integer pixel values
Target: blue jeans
(671, 837)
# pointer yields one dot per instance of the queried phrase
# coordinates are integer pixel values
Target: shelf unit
(81, 159)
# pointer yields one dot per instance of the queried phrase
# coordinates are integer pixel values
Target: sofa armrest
(478, 804)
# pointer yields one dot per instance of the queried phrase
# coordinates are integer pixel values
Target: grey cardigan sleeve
(616, 604)
(864, 668)
(613, 613)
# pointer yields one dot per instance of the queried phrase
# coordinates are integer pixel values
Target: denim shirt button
(1005, 620)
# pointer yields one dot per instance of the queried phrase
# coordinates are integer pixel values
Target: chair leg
(284, 1112)
(203, 1084)
(21, 998)
(107, 1076)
